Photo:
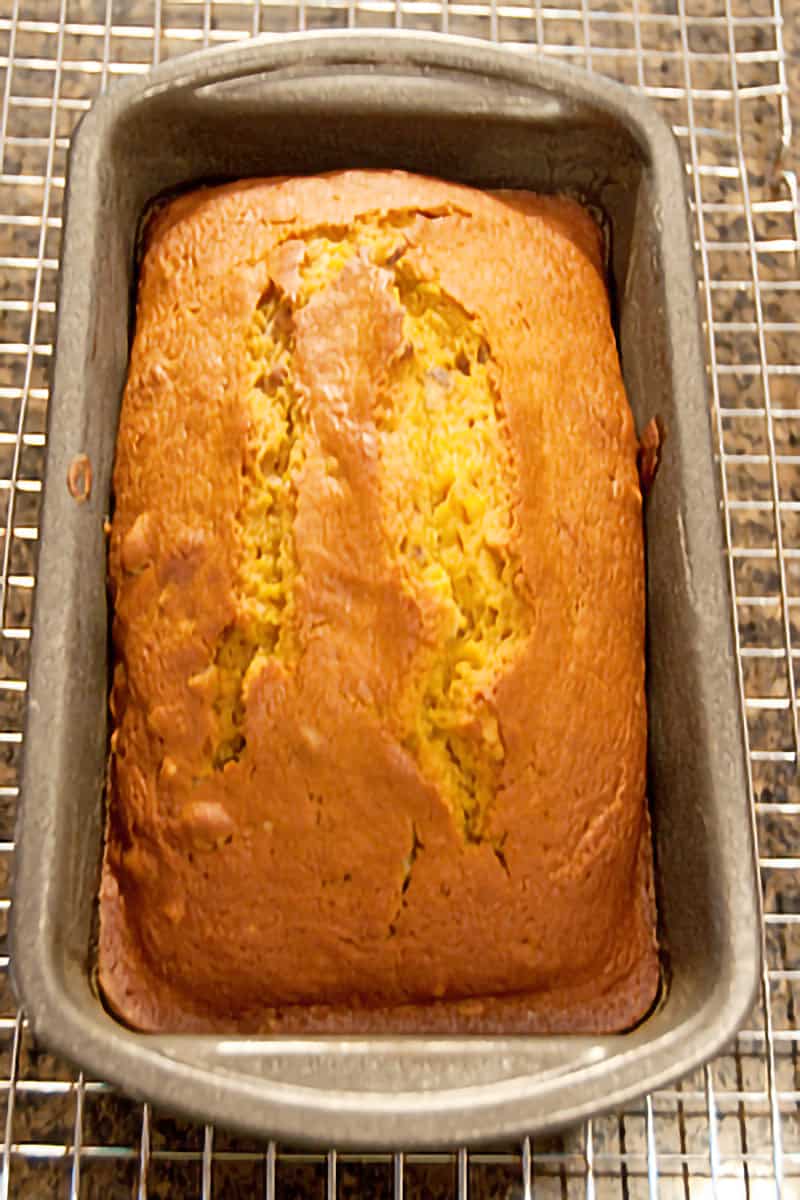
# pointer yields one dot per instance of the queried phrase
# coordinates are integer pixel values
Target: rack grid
(721, 73)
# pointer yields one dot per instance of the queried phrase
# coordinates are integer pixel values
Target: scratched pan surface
(487, 117)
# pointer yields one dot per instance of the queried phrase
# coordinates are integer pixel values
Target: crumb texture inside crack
(447, 493)
(448, 489)
(273, 452)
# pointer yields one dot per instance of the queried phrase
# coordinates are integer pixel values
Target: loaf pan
(491, 118)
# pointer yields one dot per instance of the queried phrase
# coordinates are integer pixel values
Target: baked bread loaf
(378, 756)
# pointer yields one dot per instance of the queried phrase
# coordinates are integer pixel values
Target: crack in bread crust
(449, 495)
(273, 454)
(447, 483)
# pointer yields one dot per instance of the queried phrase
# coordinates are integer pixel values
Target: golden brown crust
(318, 879)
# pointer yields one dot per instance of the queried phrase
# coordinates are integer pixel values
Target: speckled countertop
(54, 56)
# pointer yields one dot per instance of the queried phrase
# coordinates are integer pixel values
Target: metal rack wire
(719, 70)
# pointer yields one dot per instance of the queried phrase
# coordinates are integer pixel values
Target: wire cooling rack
(719, 71)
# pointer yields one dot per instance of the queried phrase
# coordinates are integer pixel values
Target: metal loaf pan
(465, 111)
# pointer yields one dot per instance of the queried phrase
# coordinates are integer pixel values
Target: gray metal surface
(482, 115)
(733, 1128)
